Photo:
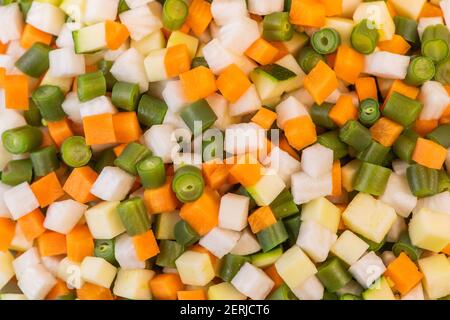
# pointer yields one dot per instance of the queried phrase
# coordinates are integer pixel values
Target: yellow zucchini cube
(153, 41)
(323, 212)
(376, 12)
(195, 268)
(369, 217)
(133, 284)
(6, 268)
(409, 8)
(104, 221)
(294, 267)
(430, 230)
(349, 247)
(178, 37)
(98, 271)
(436, 272)
(224, 291)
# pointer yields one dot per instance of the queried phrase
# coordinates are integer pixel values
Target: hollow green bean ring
(326, 41)
(188, 183)
(369, 112)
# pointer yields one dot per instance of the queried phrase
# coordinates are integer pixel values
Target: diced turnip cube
(435, 100)
(225, 11)
(140, 21)
(26, 260)
(266, 189)
(244, 137)
(289, 109)
(65, 39)
(436, 272)
(397, 229)
(310, 289)
(252, 282)
(6, 268)
(137, 3)
(174, 96)
(349, 247)
(220, 107)
(11, 22)
(20, 200)
(36, 282)
(70, 272)
(247, 244)
(426, 22)
(400, 166)
(415, 294)
(217, 56)
(65, 62)
(62, 216)
(445, 6)
(439, 202)
(282, 163)
(265, 7)
(129, 67)
(162, 141)
(98, 271)
(387, 65)
(100, 10)
(317, 160)
(51, 263)
(315, 240)
(10, 119)
(233, 211)
(71, 107)
(239, 35)
(306, 188)
(104, 221)
(398, 195)
(220, 241)
(323, 212)
(113, 184)
(125, 253)
(46, 17)
(4, 211)
(96, 106)
(367, 269)
(249, 102)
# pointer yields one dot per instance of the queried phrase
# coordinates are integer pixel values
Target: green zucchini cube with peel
(380, 290)
(436, 272)
(133, 284)
(369, 217)
(323, 212)
(270, 81)
(266, 189)
(294, 267)
(430, 230)
(165, 224)
(90, 39)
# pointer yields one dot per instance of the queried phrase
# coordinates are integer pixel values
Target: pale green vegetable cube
(430, 230)
(195, 268)
(224, 291)
(98, 271)
(349, 247)
(153, 41)
(380, 290)
(6, 268)
(436, 272)
(266, 189)
(104, 221)
(408, 8)
(133, 284)
(154, 65)
(294, 267)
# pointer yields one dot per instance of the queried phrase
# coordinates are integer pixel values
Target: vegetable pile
(225, 149)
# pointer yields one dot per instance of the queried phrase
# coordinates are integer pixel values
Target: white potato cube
(436, 272)
(195, 268)
(62, 216)
(98, 271)
(430, 230)
(104, 221)
(6, 268)
(125, 253)
(233, 212)
(310, 289)
(317, 160)
(367, 269)
(133, 284)
(20, 200)
(140, 21)
(113, 184)
(323, 212)
(252, 282)
(398, 195)
(315, 240)
(349, 247)
(294, 267)
(306, 188)
(220, 241)
(369, 217)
